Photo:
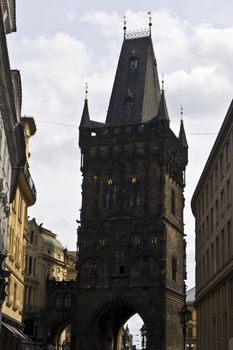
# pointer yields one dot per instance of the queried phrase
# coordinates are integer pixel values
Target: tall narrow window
(228, 192)
(211, 221)
(221, 164)
(216, 212)
(217, 253)
(229, 238)
(223, 245)
(173, 202)
(120, 262)
(174, 268)
(111, 194)
(222, 202)
(227, 153)
(134, 193)
(128, 108)
(133, 63)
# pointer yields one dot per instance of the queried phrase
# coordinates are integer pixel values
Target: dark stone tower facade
(131, 240)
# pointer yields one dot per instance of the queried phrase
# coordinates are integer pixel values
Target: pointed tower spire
(182, 135)
(162, 111)
(85, 120)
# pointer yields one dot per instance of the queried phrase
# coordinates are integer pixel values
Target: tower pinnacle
(150, 21)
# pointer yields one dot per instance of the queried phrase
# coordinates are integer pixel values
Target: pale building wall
(5, 181)
(17, 234)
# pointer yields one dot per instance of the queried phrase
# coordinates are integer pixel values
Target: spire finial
(86, 91)
(162, 82)
(181, 113)
(150, 21)
(124, 28)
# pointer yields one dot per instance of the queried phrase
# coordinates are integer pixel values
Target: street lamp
(143, 331)
(185, 316)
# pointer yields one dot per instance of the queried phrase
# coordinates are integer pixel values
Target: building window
(229, 237)
(134, 193)
(207, 226)
(190, 332)
(212, 220)
(174, 268)
(133, 63)
(102, 242)
(222, 202)
(154, 240)
(228, 158)
(208, 263)
(86, 243)
(120, 262)
(228, 192)
(173, 202)
(111, 194)
(223, 245)
(216, 212)
(211, 186)
(136, 240)
(216, 175)
(128, 108)
(217, 252)
(221, 164)
(30, 265)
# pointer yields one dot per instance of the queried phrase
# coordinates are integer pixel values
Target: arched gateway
(131, 241)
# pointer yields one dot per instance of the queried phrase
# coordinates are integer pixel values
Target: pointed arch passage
(108, 322)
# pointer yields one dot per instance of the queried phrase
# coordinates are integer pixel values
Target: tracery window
(134, 193)
(111, 194)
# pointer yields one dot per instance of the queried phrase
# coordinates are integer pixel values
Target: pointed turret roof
(85, 120)
(182, 135)
(163, 112)
(136, 92)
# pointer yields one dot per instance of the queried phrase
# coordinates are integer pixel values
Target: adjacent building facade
(131, 239)
(191, 326)
(24, 197)
(12, 142)
(212, 206)
(45, 260)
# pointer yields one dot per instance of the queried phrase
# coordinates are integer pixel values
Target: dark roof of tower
(85, 120)
(182, 135)
(136, 91)
(163, 112)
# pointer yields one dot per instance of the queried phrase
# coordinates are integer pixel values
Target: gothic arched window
(133, 63)
(128, 108)
(111, 194)
(134, 193)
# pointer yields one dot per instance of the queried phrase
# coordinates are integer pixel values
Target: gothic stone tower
(131, 240)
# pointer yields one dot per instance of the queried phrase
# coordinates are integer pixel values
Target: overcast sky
(60, 45)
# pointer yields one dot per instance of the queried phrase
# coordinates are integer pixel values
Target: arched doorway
(109, 322)
(130, 334)
(63, 337)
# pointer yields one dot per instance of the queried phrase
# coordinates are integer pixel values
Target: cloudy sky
(60, 45)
